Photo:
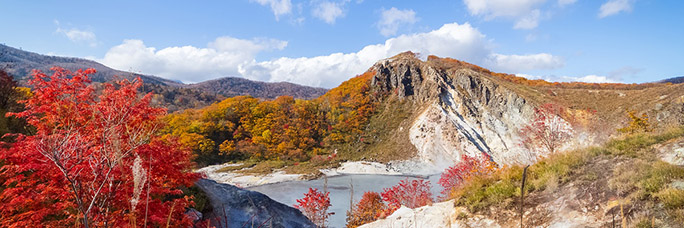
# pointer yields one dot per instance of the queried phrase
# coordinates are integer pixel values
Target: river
(339, 188)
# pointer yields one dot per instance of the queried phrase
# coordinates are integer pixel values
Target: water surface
(340, 189)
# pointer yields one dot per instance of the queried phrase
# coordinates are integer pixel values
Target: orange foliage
(369, 209)
(284, 128)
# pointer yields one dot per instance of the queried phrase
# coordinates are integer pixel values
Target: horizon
(623, 41)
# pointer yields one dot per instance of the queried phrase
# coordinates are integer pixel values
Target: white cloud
(328, 11)
(613, 7)
(588, 78)
(77, 35)
(279, 7)
(392, 18)
(566, 2)
(189, 64)
(517, 63)
(451, 40)
(228, 56)
(524, 12)
(529, 21)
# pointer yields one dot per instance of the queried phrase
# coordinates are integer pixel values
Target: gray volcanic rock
(244, 208)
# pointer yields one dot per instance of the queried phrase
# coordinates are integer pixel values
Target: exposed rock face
(464, 112)
(672, 152)
(243, 208)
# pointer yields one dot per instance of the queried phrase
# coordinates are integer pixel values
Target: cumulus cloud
(227, 56)
(77, 35)
(460, 41)
(392, 18)
(187, 63)
(613, 7)
(328, 11)
(526, 13)
(587, 78)
(517, 63)
(279, 7)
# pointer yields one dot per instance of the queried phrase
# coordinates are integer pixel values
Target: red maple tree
(410, 193)
(94, 159)
(548, 132)
(315, 206)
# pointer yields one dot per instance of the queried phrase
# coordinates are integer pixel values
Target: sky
(325, 42)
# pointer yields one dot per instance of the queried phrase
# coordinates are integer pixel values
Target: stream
(339, 188)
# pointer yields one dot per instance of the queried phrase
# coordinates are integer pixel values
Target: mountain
(440, 109)
(233, 86)
(20, 63)
(675, 80)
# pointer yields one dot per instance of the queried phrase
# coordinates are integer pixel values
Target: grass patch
(671, 198)
(264, 167)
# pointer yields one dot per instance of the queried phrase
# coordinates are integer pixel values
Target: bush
(410, 193)
(369, 209)
(315, 206)
(454, 176)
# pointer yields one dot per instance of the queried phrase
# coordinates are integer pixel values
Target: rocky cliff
(460, 111)
(457, 108)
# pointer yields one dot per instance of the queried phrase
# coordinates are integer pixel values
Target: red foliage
(93, 160)
(548, 131)
(454, 176)
(369, 209)
(410, 193)
(315, 206)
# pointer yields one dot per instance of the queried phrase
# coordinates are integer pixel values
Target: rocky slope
(457, 111)
(455, 108)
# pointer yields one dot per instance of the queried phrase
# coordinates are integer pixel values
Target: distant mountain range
(20, 63)
(675, 80)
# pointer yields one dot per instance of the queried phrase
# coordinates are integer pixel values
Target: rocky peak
(463, 110)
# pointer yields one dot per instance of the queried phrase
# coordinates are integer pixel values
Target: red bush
(315, 206)
(410, 193)
(455, 175)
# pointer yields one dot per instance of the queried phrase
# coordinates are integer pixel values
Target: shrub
(369, 209)
(671, 198)
(454, 176)
(410, 193)
(315, 206)
(637, 124)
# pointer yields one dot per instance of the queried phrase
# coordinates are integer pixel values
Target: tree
(315, 206)
(548, 132)
(454, 176)
(369, 209)
(410, 193)
(636, 124)
(9, 94)
(93, 159)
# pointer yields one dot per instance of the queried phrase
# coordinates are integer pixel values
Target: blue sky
(324, 42)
